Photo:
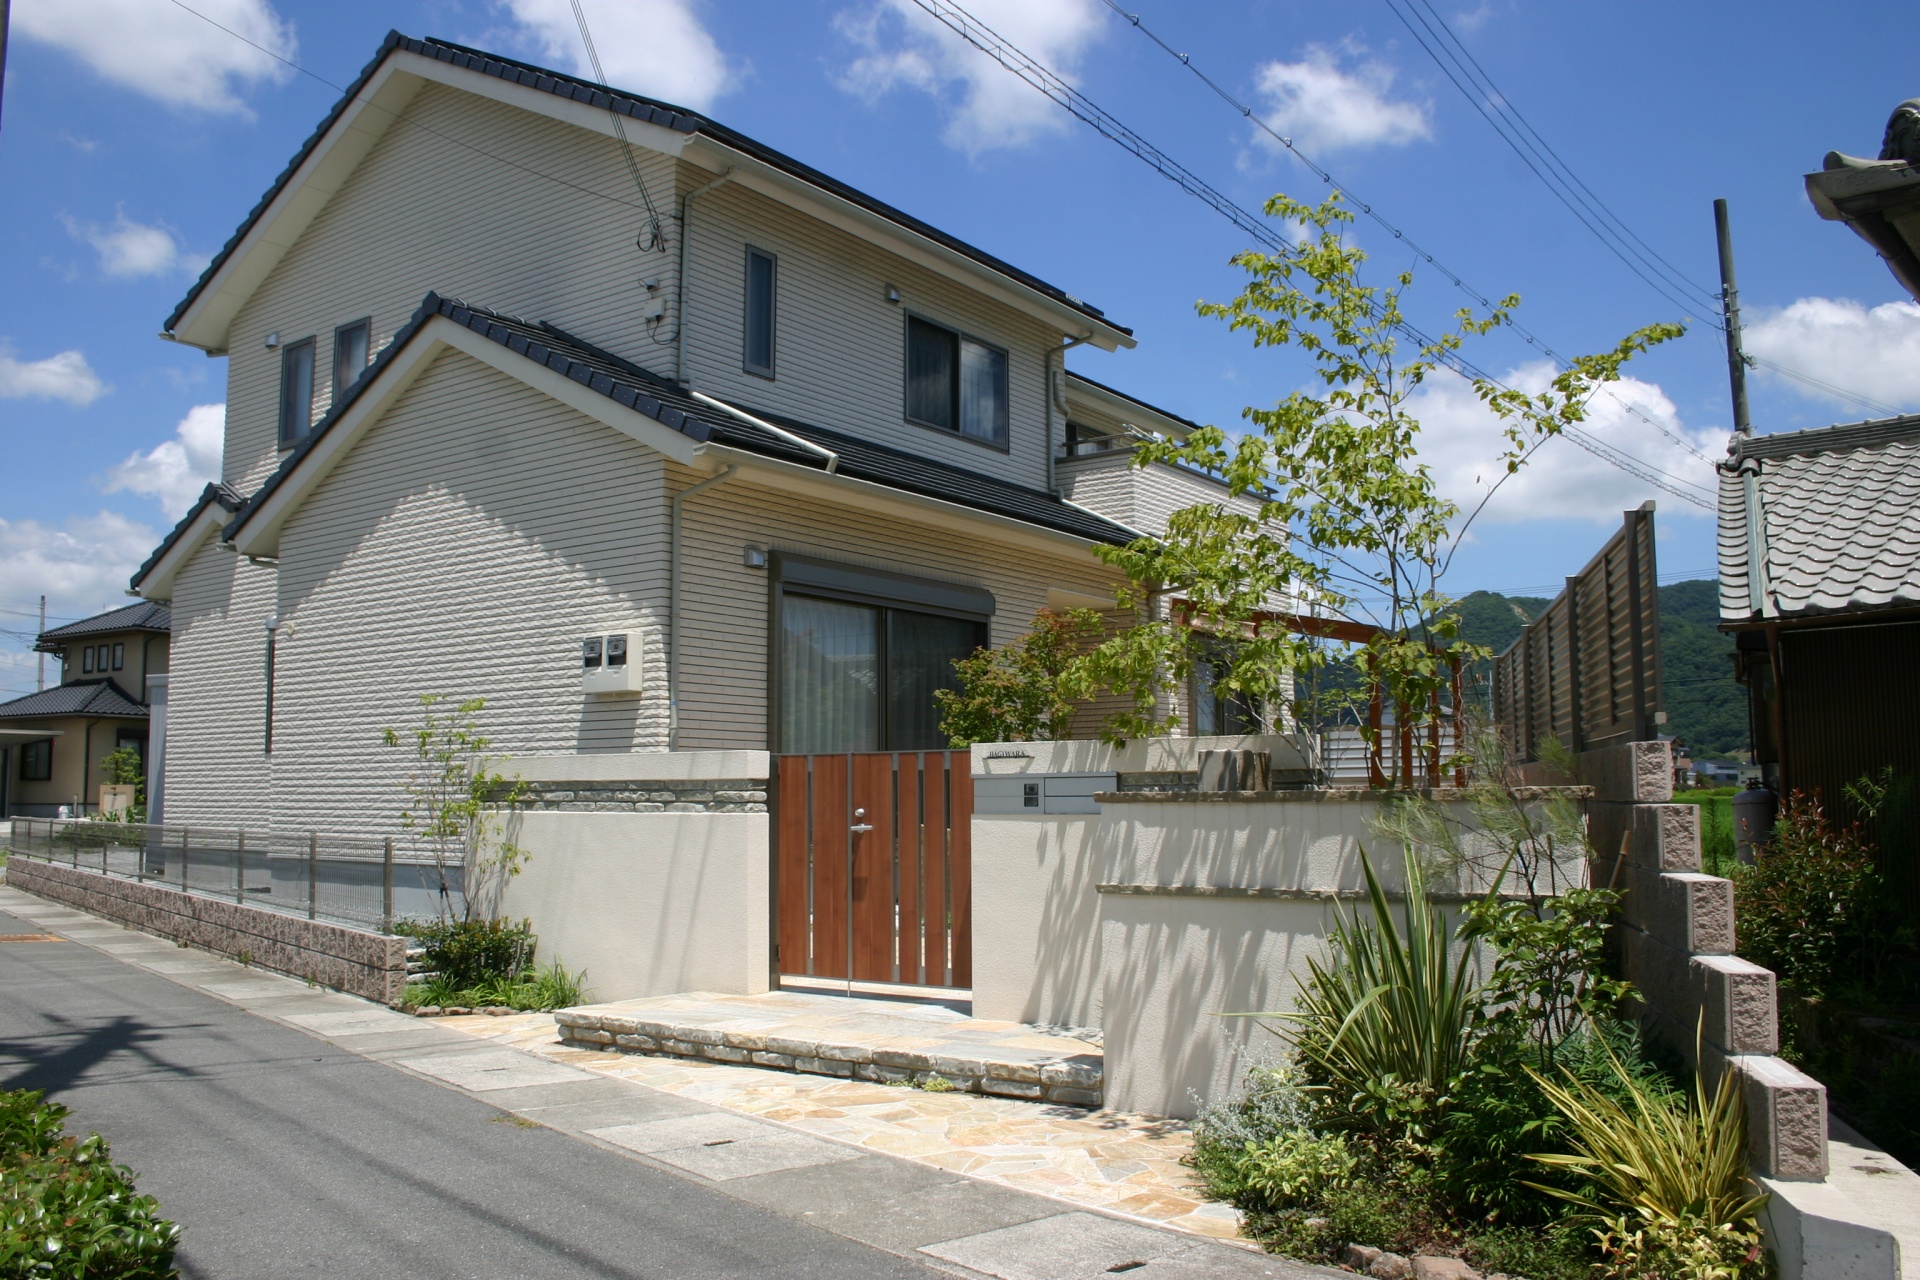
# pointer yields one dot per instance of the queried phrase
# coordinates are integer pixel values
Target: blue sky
(136, 136)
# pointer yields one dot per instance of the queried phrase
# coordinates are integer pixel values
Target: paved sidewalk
(795, 1201)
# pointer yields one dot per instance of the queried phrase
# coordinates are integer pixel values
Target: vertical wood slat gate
(873, 867)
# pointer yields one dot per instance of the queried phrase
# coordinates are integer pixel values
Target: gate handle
(858, 826)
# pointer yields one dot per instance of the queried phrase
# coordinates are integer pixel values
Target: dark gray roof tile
(82, 698)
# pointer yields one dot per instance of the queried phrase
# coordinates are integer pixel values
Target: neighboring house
(742, 459)
(1820, 585)
(52, 742)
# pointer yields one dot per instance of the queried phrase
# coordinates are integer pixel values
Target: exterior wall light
(754, 557)
(892, 295)
(273, 340)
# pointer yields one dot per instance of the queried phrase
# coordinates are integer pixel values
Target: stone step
(879, 1040)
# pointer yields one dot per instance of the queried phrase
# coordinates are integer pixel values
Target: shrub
(1274, 1104)
(471, 953)
(1559, 1251)
(67, 1212)
(1813, 907)
(1297, 1167)
(1020, 692)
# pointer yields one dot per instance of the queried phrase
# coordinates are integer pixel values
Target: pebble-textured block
(362, 963)
(1661, 837)
(1631, 773)
(1681, 908)
(1786, 1119)
(1742, 1010)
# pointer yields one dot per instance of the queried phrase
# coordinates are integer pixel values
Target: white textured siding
(1140, 497)
(465, 546)
(216, 768)
(421, 213)
(724, 627)
(840, 346)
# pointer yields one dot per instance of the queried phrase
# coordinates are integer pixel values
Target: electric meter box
(1038, 793)
(610, 662)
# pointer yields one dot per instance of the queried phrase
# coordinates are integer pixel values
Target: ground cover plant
(486, 963)
(67, 1212)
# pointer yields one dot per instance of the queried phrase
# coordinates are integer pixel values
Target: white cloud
(902, 46)
(130, 249)
(66, 376)
(1326, 107)
(82, 567)
(1461, 442)
(655, 47)
(161, 50)
(175, 471)
(1874, 353)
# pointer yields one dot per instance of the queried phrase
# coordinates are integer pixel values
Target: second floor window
(757, 355)
(351, 345)
(956, 383)
(296, 391)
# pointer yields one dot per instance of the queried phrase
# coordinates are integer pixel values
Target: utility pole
(1730, 312)
(6, 19)
(40, 684)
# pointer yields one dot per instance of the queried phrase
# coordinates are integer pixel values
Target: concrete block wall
(370, 965)
(1674, 941)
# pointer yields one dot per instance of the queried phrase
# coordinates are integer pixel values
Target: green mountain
(1705, 709)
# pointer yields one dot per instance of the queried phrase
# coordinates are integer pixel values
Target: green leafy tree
(1349, 523)
(1025, 691)
(457, 800)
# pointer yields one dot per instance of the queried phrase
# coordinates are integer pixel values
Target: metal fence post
(240, 867)
(313, 874)
(386, 887)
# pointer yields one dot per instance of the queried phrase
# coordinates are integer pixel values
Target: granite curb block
(370, 965)
(1075, 1080)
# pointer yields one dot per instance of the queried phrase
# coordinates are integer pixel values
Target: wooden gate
(873, 873)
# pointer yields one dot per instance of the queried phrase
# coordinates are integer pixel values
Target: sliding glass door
(861, 677)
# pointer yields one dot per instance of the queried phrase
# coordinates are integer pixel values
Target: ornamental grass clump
(1383, 1026)
(1664, 1180)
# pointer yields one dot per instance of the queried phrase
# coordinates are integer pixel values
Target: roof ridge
(1838, 438)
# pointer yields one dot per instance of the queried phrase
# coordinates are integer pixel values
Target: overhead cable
(651, 237)
(1039, 76)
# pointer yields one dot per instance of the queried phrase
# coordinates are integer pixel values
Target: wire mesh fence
(368, 882)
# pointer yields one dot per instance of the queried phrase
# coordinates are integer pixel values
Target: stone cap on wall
(640, 766)
(1142, 755)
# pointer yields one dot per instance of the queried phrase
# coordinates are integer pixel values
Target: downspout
(1057, 393)
(680, 322)
(673, 599)
(86, 769)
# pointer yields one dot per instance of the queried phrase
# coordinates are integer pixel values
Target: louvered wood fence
(1587, 670)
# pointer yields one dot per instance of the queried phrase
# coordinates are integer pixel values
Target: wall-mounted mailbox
(1045, 793)
(610, 662)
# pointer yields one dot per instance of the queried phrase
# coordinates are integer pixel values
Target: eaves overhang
(154, 579)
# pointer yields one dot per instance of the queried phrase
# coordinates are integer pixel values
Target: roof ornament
(1879, 199)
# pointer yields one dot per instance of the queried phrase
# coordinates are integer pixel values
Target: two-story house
(538, 388)
(53, 743)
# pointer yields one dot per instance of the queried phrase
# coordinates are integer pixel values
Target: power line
(1399, 234)
(1039, 76)
(651, 238)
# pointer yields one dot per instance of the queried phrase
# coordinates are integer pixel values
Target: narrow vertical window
(933, 366)
(352, 343)
(758, 357)
(296, 391)
(983, 392)
(119, 656)
(86, 661)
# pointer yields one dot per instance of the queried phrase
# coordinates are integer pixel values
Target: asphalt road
(284, 1155)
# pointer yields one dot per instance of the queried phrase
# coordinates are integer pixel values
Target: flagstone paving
(1119, 1163)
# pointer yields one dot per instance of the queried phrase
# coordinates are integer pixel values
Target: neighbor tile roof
(636, 107)
(82, 698)
(666, 402)
(145, 616)
(1840, 519)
